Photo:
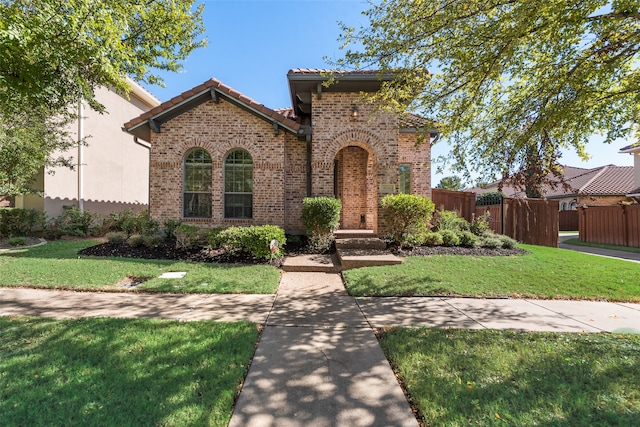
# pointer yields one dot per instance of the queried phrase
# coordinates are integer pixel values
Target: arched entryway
(355, 185)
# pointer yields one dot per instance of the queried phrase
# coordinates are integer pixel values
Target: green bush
(75, 222)
(507, 242)
(405, 215)
(116, 237)
(131, 222)
(321, 216)
(187, 236)
(213, 237)
(21, 222)
(480, 225)
(170, 226)
(17, 241)
(254, 240)
(491, 242)
(449, 220)
(433, 238)
(135, 240)
(152, 240)
(468, 239)
(450, 238)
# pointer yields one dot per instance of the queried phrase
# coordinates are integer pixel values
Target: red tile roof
(221, 88)
(601, 181)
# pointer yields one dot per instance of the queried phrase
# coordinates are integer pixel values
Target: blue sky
(253, 43)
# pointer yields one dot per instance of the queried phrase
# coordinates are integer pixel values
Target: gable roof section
(212, 89)
(633, 148)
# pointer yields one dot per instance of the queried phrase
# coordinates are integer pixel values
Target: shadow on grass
(492, 377)
(121, 372)
(365, 284)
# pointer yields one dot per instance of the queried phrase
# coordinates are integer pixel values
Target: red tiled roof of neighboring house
(221, 88)
(604, 180)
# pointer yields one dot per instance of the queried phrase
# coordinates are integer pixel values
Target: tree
(514, 81)
(55, 53)
(453, 183)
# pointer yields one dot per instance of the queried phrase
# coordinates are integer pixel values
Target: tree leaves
(509, 77)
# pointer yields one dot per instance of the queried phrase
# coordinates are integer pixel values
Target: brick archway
(355, 184)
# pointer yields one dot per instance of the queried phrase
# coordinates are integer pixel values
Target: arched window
(238, 185)
(196, 184)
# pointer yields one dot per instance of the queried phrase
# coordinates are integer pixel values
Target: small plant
(450, 238)
(254, 240)
(135, 240)
(433, 238)
(449, 220)
(480, 225)
(491, 242)
(507, 242)
(17, 241)
(76, 222)
(468, 239)
(406, 215)
(116, 237)
(152, 240)
(187, 236)
(170, 226)
(321, 216)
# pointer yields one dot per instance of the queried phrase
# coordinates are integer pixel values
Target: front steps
(354, 249)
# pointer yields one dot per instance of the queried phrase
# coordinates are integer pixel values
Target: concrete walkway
(610, 253)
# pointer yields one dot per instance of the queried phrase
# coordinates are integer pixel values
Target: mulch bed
(299, 247)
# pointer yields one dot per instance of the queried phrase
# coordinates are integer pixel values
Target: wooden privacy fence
(462, 202)
(568, 220)
(613, 225)
(530, 221)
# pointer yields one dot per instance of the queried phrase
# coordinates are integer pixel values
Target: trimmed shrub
(450, 238)
(254, 240)
(449, 220)
(20, 222)
(135, 240)
(116, 237)
(321, 216)
(152, 240)
(433, 238)
(468, 239)
(17, 241)
(406, 215)
(491, 242)
(507, 242)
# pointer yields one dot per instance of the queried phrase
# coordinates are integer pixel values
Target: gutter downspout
(148, 147)
(80, 155)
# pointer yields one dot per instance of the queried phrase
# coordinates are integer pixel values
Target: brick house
(219, 158)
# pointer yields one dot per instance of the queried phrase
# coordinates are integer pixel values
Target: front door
(350, 184)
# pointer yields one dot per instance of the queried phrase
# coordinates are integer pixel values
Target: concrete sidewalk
(610, 253)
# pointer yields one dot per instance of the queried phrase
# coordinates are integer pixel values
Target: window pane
(197, 184)
(238, 185)
(404, 182)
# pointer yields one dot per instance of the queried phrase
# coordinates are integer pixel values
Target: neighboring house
(634, 150)
(219, 158)
(110, 173)
(601, 186)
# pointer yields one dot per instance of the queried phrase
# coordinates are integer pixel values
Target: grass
(491, 378)
(578, 242)
(121, 372)
(57, 265)
(543, 273)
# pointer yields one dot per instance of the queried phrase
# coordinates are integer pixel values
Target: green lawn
(57, 265)
(578, 242)
(492, 378)
(543, 273)
(121, 372)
